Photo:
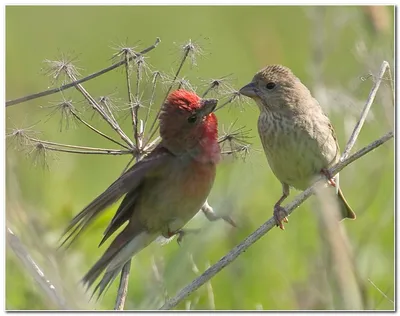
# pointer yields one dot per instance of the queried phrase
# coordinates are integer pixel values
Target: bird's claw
(182, 232)
(280, 215)
(327, 174)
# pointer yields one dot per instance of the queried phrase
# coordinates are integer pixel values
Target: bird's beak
(207, 106)
(249, 90)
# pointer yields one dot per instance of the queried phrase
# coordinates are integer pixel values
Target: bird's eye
(192, 119)
(270, 85)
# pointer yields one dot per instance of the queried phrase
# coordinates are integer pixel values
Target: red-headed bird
(163, 191)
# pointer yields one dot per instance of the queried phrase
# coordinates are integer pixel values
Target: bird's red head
(187, 124)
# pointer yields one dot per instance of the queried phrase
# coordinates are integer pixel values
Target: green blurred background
(332, 49)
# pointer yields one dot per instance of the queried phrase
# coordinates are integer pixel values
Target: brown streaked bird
(298, 138)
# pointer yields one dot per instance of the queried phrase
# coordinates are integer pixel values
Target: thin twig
(97, 131)
(266, 227)
(130, 96)
(156, 75)
(364, 113)
(137, 134)
(77, 149)
(151, 145)
(45, 284)
(123, 287)
(74, 83)
(234, 96)
(186, 52)
(380, 291)
(103, 113)
(90, 152)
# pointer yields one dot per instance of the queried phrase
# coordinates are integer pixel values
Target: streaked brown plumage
(298, 138)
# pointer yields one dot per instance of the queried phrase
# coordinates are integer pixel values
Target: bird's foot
(327, 174)
(181, 233)
(280, 216)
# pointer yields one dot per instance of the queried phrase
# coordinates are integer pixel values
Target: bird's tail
(346, 210)
(128, 243)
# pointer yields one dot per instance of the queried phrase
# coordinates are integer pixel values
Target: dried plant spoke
(127, 53)
(182, 83)
(154, 80)
(98, 131)
(235, 141)
(103, 113)
(243, 151)
(220, 86)
(53, 146)
(190, 50)
(20, 137)
(60, 71)
(89, 152)
(233, 96)
(66, 110)
(150, 146)
(40, 155)
(108, 104)
(123, 51)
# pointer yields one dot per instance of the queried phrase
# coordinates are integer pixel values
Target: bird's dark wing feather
(127, 182)
(124, 213)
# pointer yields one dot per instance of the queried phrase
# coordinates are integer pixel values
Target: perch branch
(266, 227)
(45, 284)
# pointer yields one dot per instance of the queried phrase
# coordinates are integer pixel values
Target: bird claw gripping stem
(182, 233)
(327, 174)
(280, 215)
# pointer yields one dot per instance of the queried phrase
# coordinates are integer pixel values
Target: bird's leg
(280, 214)
(327, 174)
(211, 216)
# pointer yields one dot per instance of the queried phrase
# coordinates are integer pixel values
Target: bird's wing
(124, 213)
(129, 181)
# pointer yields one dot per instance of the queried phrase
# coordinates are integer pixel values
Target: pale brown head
(275, 88)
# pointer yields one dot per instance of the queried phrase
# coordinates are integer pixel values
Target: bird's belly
(294, 158)
(173, 201)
